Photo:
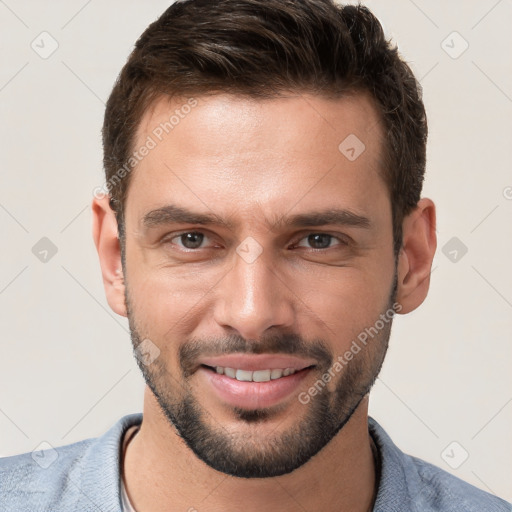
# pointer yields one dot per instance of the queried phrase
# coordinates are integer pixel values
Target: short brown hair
(261, 48)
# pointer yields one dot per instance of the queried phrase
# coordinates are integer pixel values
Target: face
(259, 255)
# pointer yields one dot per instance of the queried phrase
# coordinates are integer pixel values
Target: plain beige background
(66, 366)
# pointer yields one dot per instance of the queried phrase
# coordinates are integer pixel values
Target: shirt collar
(396, 468)
(103, 487)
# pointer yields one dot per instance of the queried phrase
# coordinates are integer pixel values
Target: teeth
(255, 376)
(276, 373)
(261, 376)
(229, 372)
(243, 375)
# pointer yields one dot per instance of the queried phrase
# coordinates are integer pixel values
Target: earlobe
(106, 240)
(416, 255)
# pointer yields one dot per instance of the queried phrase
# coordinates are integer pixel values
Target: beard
(245, 452)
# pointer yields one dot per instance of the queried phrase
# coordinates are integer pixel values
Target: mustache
(191, 352)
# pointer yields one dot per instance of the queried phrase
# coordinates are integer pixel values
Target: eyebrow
(173, 214)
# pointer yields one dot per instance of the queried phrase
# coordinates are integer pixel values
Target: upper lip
(254, 362)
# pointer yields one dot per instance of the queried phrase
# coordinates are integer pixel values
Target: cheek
(335, 303)
(345, 303)
(165, 300)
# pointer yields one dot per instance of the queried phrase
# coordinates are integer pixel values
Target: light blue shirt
(85, 477)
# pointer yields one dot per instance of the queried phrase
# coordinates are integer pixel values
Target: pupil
(192, 240)
(322, 237)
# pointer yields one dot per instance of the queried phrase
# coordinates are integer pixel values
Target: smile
(252, 389)
(254, 376)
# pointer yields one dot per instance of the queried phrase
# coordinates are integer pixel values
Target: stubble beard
(246, 452)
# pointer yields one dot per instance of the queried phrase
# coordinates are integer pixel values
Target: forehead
(238, 152)
(293, 116)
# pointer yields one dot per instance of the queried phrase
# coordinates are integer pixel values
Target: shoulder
(82, 476)
(30, 479)
(408, 483)
(443, 491)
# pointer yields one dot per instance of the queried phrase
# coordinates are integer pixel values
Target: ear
(105, 235)
(415, 259)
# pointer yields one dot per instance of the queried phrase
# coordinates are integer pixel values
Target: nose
(253, 298)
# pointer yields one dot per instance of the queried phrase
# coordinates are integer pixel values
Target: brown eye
(188, 240)
(321, 241)
(192, 240)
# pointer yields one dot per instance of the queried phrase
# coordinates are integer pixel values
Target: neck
(159, 469)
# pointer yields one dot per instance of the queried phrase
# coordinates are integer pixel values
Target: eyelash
(342, 241)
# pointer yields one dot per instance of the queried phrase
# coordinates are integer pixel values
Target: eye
(193, 240)
(321, 241)
(188, 239)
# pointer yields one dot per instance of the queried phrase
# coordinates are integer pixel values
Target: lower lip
(252, 395)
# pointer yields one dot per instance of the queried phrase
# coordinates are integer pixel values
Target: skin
(252, 161)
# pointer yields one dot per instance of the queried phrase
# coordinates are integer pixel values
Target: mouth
(253, 381)
(254, 376)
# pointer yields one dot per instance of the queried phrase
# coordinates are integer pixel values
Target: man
(262, 224)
